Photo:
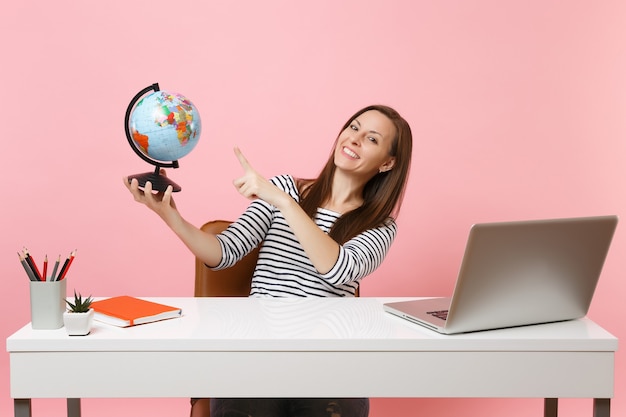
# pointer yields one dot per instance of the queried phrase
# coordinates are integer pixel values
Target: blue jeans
(290, 407)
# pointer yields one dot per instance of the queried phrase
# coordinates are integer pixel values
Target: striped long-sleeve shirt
(283, 268)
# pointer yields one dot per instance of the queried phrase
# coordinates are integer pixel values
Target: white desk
(325, 347)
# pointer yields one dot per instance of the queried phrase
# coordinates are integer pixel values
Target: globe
(161, 127)
(165, 126)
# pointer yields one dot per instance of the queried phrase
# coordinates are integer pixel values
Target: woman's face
(363, 147)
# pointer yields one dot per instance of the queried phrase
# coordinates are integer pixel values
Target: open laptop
(519, 273)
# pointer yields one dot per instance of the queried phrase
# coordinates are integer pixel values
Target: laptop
(519, 273)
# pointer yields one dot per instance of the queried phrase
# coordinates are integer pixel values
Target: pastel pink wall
(518, 111)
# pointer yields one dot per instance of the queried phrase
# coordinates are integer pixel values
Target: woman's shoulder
(287, 183)
(390, 222)
(283, 180)
(389, 226)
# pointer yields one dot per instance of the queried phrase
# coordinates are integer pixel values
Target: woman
(318, 237)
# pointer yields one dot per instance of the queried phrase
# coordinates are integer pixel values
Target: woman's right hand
(161, 203)
(203, 245)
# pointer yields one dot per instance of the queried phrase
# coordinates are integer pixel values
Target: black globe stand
(159, 182)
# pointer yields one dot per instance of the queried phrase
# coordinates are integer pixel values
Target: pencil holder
(47, 304)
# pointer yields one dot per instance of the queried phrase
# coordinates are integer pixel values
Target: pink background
(518, 110)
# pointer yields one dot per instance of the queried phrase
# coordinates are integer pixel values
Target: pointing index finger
(242, 159)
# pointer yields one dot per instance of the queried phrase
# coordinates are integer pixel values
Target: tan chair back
(230, 282)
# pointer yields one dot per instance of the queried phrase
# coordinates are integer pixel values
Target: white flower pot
(78, 324)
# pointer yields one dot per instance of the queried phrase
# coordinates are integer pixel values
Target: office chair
(230, 282)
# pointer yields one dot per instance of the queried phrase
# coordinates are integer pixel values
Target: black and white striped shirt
(283, 268)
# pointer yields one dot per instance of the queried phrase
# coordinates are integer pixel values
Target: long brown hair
(383, 193)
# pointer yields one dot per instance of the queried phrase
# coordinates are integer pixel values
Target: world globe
(165, 126)
(161, 127)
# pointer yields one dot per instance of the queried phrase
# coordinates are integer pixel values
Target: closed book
(125, 311)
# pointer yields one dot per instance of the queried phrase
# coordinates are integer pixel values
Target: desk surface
(359, 324)
(301, 341)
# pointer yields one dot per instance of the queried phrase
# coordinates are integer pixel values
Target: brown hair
(383, 193)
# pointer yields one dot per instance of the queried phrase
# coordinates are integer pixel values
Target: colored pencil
(63, 268)
(32, 264)
(71, 259)
(66, 265)
(29, 272)
(54, 270)
(44, 277)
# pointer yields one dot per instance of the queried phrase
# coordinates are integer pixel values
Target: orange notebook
(124, 311)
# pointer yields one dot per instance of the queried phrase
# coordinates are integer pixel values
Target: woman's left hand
(321, 249)
(253, 185)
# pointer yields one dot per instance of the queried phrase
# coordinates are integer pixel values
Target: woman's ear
(387, 165)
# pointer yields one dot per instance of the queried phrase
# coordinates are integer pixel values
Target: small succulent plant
(79, 305)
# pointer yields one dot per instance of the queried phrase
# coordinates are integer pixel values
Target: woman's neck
(346, 195)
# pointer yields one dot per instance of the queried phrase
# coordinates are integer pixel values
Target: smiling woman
(317, 237)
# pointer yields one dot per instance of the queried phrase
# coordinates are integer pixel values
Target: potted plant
(79, 316)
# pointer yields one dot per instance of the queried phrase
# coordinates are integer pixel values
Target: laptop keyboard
(440, 314)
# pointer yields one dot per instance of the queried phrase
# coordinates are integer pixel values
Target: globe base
(159, 182)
